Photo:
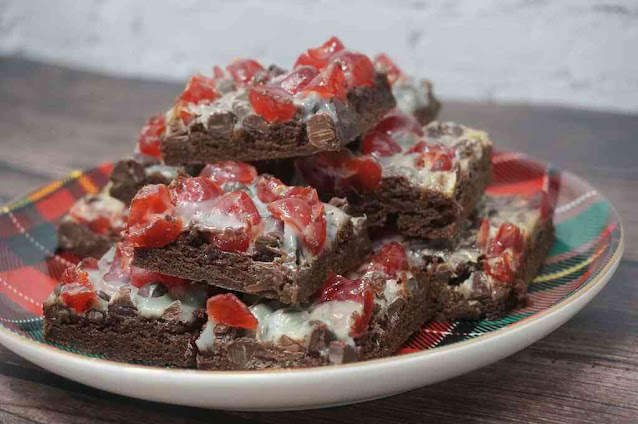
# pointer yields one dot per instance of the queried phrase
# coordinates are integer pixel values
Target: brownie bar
(92, 225)
(191, 256)
(425, 185)
(149, 325)
(230, 129)
(474, 278)
(322, 334)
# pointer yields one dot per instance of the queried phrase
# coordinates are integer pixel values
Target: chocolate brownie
(97, 310)
(249, 113)
(423, 181)
(486, 270)
(245, 232)
(414, 97)
(367, 315)
(92, 226)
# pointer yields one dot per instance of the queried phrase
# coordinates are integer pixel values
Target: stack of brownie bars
(275, 219)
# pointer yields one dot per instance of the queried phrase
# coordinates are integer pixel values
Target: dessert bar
(425, 181)
(245, 232)
(368, 314)
(486, 270)
(125, 313)
(248, 112)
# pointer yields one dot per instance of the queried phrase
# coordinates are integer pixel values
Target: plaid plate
(587, 235)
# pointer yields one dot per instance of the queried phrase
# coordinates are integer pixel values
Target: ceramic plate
(585, 254)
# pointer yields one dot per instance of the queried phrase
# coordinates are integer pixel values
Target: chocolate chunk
(322, 132)
(341, 353)
(172, 313)
(256, 126)
(127, 177)
(320, 338)
(268, 246)
(341, 203)
(221, 124)
(103, 295)
(121, 304)
(241, 351)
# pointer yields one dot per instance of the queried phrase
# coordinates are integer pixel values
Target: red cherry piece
(98, 216)
(270, 189)
(243, 70)
(308, 220)
(235, 205)
(298, 79)
(398, 122)
(508, 236)
(199, 88)
(218, 73)
(390, 259)
(323, 170)
(434, 157)
(319, 57)
(148, 141)
(272, 103)
(385, 64)
(336, 287)
(228, 310)
(77, 292)
(141, 277)
(120, 269)
(380, 144)
(357, 68)
(229, 171)
(501, 267)
(331, 82)
(194, 189)
(150, 222)
(362, 173)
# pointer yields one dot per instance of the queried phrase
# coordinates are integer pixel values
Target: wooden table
(53, 120)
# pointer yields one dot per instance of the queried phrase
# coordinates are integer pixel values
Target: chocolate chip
(320, 338)
(221, 124)
(322, 131)
(341, 353)
(95, 316)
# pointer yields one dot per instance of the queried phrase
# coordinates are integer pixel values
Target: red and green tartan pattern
(587, 235)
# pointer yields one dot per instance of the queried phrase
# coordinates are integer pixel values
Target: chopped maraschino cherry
(336, 287)
(390, 260)
(120, 269)
(336, 171)
(319, 57)
(141, 277)
(76, 291)
(298, 79)
(199, 89)
(308, 219)
(434, 157)
(270, 189)
(238, 208)
(243, 70)
(149, 139)
(502, 267)
(503, 252)
(228, 310)
(194, 189)
(385, 64)
(381, 139)
(150, 223)
(362, 173)
(99, 216)
(331, 82)
(380, 144)
(272, 103)
(357, 68)
(229, 171)
(508, 236)
(397, 122)
(483, 234)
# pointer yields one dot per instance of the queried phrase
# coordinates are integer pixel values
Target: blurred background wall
(576, 52)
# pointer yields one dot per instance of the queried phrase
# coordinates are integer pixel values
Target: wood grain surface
(54, 120)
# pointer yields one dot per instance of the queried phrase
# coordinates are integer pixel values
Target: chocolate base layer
(422, 213)
(123, 337)
(192, 257)
(452, 306)
(79, 240)
(388, 330)
(255, 139)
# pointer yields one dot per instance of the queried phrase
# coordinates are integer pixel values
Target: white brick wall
(579, 52)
